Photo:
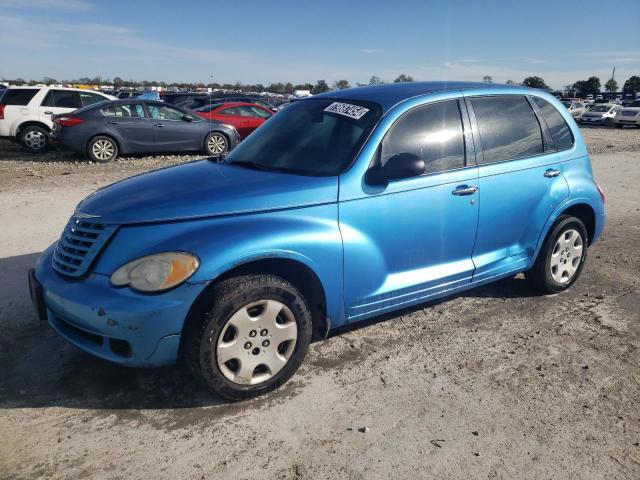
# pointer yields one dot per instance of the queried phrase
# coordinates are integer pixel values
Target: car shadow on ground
(40, 369)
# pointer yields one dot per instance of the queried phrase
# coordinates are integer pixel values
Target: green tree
(375, 80)
(591, 86)
(341, 84)
(611, 86)
(403, 78)
(534, 82)
(320, 87)
(632, 85)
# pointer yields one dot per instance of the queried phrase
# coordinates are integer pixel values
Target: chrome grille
(78, 246)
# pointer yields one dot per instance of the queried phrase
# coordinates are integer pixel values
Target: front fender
(308, 235)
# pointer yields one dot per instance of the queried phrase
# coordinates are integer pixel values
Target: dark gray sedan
(107, 129)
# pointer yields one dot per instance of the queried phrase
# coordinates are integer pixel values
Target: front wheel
(249, 337)
(215, 144)
(102, 149)
(562, 257)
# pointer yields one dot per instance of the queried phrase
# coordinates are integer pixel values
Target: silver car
(601, 114)
(575, 108)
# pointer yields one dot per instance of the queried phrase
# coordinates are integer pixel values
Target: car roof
(390, 94)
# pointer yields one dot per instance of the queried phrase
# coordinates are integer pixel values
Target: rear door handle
(552, 172)
(463, 190)
(48, 113)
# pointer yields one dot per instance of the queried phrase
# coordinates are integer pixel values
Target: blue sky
(261, 41)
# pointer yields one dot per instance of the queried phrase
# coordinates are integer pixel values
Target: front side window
(254, 112)
(62, 99)
(430, 132)
(560, 131)
(509, 128)
(162, 112)
(314, 137)
(124, 111)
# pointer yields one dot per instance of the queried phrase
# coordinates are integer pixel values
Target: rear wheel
(215, 144)
(249, 337)
(35, 139)
(562, 256)
(102, 149)
(608, 122)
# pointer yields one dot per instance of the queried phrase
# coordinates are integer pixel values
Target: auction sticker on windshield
(346, 109)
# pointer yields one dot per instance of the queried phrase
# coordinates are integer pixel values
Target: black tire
(105, 155)
(608, 122)
(540, 276)
(35, 139)
(209, 318)
(216, 144)
(618, 125)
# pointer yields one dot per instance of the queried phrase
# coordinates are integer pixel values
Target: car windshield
(315, 137)
(601, 108)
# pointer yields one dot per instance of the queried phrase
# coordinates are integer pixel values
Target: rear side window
(89, 98)
(124, 111)
(19, 96)
(562, 136)
(431, 132)
(509, 128)
(62, 99)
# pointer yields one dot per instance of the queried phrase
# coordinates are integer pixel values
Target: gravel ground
(497, 382)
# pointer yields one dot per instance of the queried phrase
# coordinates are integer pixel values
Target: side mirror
(398, 167)
(187, 118)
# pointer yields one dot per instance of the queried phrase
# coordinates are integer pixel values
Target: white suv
(25, 112)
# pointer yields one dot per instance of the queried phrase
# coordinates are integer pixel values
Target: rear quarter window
(560, 131)
(19, 96)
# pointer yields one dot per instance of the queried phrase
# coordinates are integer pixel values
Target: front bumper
(115, 324)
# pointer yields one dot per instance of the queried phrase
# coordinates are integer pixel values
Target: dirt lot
(497, 382)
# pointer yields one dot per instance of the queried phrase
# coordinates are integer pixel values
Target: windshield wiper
(252, 165)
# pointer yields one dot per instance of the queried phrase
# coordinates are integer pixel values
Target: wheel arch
(31, 123)
(220, 132)
(586, 214)
(294, 271)
(579, 208)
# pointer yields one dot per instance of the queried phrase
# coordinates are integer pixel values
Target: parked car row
(103, 126)
(609, 114)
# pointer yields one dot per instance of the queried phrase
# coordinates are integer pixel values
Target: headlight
(155, 273)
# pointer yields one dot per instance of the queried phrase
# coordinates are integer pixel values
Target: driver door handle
(159, 125)
(552, 172)
(463, 190)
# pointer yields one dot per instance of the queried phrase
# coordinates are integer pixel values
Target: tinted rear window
(19, 96)
(509, 128)
(562, 136)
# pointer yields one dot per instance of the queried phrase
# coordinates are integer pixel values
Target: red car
(245, 117)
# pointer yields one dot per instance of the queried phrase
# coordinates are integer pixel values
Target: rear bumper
(116, 324)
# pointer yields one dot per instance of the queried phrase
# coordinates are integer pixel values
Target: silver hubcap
(103, 149)
(566, 256)
(217, 144)
(256, 342)
(35, 139)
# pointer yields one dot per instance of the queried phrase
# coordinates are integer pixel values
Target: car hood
(203, 189)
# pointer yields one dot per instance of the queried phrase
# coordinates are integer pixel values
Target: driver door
(171, 132)
(411, 239)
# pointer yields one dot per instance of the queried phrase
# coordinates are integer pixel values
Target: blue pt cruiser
(342, 207)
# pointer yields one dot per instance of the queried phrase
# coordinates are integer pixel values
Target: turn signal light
(1, 111)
